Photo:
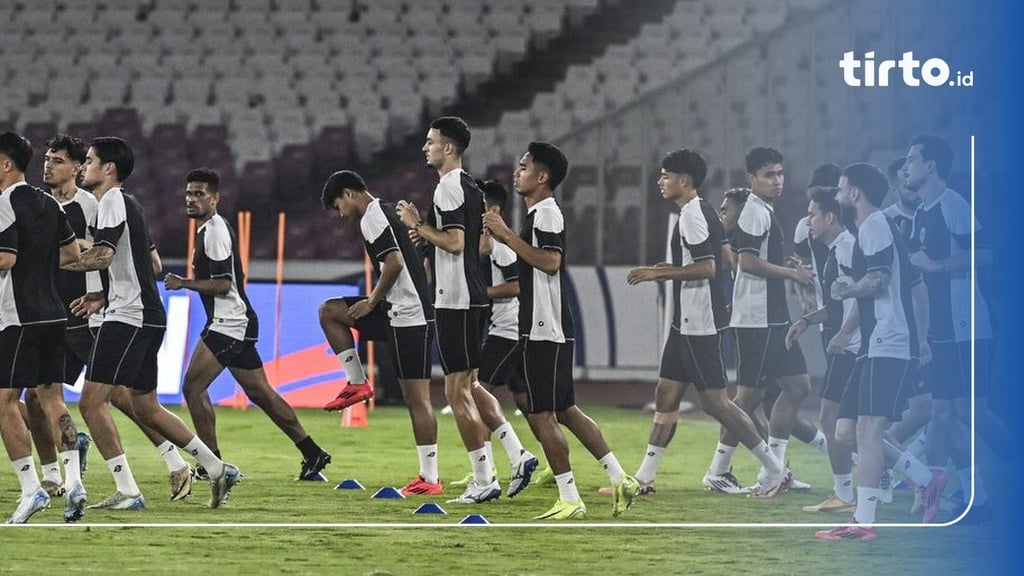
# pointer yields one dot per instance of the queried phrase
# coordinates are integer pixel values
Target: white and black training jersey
(904, 221)
(458, 204)
(409, 298)
(504, 268)
(759, 302)
(699, 304)
(942, 230)
(80, 211)
(132, 296)
(34, 228)
(887, 326)
(839, 264)
(810, 249)
(216, 256)
(544, 313)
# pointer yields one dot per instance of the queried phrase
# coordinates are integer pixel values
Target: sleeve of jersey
(380, 236)
(8, 229)
(110, 223)
(876, 243)
(696, 236)
(217, 245)
(801, 237)
(451, 203)
(506, 261)
(68, 234)
(751, 230)
(548, 226)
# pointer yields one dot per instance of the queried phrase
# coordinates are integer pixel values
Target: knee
(846, 434)
(331, 312)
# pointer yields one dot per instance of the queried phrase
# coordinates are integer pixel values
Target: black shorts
(124, 355)
(501, 363)
(458, 339)
(885, 385)
(31, 355)
(693, 360)
(837, 376)
(548, 370)
(77, 347)
(849, 404)
(231, 353)
(949, 372)
(762, 356)
(410, 345)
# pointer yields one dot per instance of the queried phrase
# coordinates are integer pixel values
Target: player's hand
(360, 309)
(638, 275)
(173, 282)
(417, 238)
(802, 275)
(838, 343)
(925, 353)
(408, 213)
(923, 262)
(840, 289)
(495, 225)
(84, 244)
(88, 304)
(795, 330)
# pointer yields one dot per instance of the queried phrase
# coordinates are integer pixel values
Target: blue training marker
(349, 484)
(474, 520)
(388, 492)
(430, 508)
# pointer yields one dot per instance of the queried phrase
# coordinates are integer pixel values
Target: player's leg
(500, 364)
(203, 369)
(44, 437)
(337, 324)
(837, 376)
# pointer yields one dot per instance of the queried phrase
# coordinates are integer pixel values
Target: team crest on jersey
(920, 235)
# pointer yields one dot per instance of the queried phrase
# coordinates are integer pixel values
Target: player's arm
(919, 297)
(451, 240)
(98, 257)
(851, 323)
(874, 283)
(205, 286)
(547, 260)
(752, 264)
(504, 290)
(728, 256)
(394, 263)
(803, 323)
(700, 270)
(70, 252)
(154, 259)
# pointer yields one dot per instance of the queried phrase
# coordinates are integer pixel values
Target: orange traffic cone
(354, 416)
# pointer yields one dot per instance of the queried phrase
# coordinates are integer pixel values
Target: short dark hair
(17, 148)
(937, 149)
(204, 175)
(687, 162)
(825, 198)
(894, 168)
(551, 159)
(760, 156)
(826, 175)
(869, 179)
(116, 150)
(738, 195)
(454, 129)
(494, 193)
(75, 147)
(336, 185)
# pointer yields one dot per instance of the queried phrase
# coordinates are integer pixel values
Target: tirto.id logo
(933, 71)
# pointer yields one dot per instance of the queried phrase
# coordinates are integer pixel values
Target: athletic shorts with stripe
(693, 360)
(762, 356)
(881, 387)
(231, 353)
(31, 355)
(501, 363)
(410, 345)
(77, 348)
(837, 375)
(124, 355)
(458, 338)
(548, 370)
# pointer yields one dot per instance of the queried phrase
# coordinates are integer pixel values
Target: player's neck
(104, 187)
(931, 190)
(448, 166)
(10, 180)
(685, 198)
(204, 219)
(65, 192)
(537, 197)
(863, 211)
(830, 236)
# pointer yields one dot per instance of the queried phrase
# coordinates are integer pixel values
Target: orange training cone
(354, 416)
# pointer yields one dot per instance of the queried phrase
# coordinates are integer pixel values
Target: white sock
(489, 450)
(482, 468)
(721, 462)
(980, 494)
(25, 468)
(567, 491)
(122, 473)
(510, 442)
(169, 452)
(353, 367)
(72, 468)
(917, 447)
(913, 469)
(867, 502)
(855, 458)
(842, 485)
(612, 467)
(51, 472)
(428, 462)
(206, 458)
(819, 443)
(649, 467)
(768, 460)
(778, 446)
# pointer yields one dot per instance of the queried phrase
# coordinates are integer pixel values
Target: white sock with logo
(509, 441)
(122, 473)
(482, 469)
(721, 463)
(649, 467)
(778, 446)
(25, 468)
(353, 367)
(612, 467)
(169, 452)
(51, 472)
(428, 462)
(842, 485)
(567, 491)
(206, 458)
(867, 503)
(72, 468)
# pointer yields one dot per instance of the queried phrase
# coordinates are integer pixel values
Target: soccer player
(942, 240)
(126, 346)
(761, 318)
(500, 358)
(546, 332)
(34, 239)
(232, 328)
(692, 352)
(881, 284)
(398, 312)
(841, 332)
(453, 228)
